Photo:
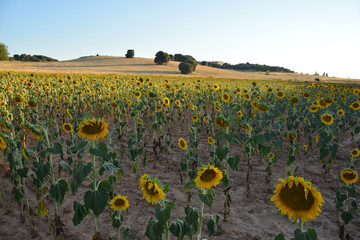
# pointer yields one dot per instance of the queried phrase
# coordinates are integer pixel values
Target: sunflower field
(87, 156)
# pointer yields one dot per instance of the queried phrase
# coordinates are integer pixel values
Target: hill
(146, 66)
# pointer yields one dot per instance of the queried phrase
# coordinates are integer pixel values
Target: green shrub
(4, 54)
(186, 67)
(130, 53)
(161, 58)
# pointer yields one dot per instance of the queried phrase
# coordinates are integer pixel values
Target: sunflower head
(221, 122)
(32, 104)
(33, 130)
(355, 152)
(349, 176)
(177, 103)
(340, 113)
(208, 176)
(166, 101)
(152, 189)
(195, 118)
(182, 144)
(305, 147)
(158, 108)
(58, 108)
(246, 127)
(327, 119)
(271, 155)
(297, 198)
(92, 129)
(205, 119)
(355, 105)
(137, 94)
(2, 142)
(280, 94)
(119, 203)
(5, 126)
(67, 127)
(239, 114)
(225, 97)
(210, 140)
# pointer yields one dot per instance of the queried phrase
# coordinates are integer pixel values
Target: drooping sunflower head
(93, 129)
(32, 104)
(210, 140)
(349, 176)
(138, 120)
(33, 130)
(182, 144)
(2, 142)
(158, 108)
(5, 126)
(208, 176)
(291, 136)
(246, 127)
(152, 189)
(18, 98)
(67, 127)
(294, 100)
(114, 105)
(297, 198)
(206, 120)
(119, 202)
(166, 101)
(225, 97)
(327, 119)
(355, 152)
(221, 122)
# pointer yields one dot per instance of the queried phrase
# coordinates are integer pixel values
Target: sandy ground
(146, 66)
(250, 218)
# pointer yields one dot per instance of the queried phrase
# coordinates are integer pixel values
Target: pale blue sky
(304, 36)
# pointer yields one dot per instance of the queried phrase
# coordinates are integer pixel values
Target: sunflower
(137, 94)
(2, 142)
(18, 98)
(291, 136)
(306, 95)
(152, 189)
(280, 94)
(67, 127)
(355, 152)
(75, 83)
(58, 108)
(294, 100)
(216, 87)
(305, 147)
(182, 144)
(210, 140)
(313, 108)
(92, 129)
(349, 176)
(221, 122)
(5, 126)
(158, 108)
(208, 176)
(297, 198)
(114, 105)
(177, 103)
(327, 119)
(32, 104)
(195, 118)
(119, 202)
(69, 113)
(26, 153)
(166, 101)
(246, 128)
(2, 104)
(35, 132)
(225, 97)
(340, 113)
(355, 105)
(138, 121)
(239, 114)
(271, 155)
(205, 119)
(269, 90)
(253, 114)
(247, 97)
(186, 95)
(217, 108)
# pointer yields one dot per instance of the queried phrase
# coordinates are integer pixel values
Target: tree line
(247, 66)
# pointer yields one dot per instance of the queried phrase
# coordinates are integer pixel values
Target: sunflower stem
(201, 215)
(301, 224)
(118, 233)
(94, 185)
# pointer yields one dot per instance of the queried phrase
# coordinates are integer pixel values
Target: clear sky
(304, 36)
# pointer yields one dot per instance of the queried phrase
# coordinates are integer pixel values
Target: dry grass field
(146, 66)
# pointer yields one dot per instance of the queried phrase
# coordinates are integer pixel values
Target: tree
(186, 67)
(192, 63)
(161, 58)
(130, 53)
(4, 54)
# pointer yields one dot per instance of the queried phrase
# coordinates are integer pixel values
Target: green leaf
(212, 224)
(290, 161)
(66, 166)
(96, 200)
(106, 186)
(79, 146)
(279, 237)
(192, 221)
(154, 230)
(116, 220)
(220, 135)
(190, 185)
(80, 212)
(56, 149)
(167, 188)
(354, 204)
(346, 217)
(88, 116)
(177, 228)
(22, 172)
(18, 194)
(233, 162)
(82, 171)
(310, 234)
(163, 214)
(107, 166)
(208, 198)
(58, 190)
(221, 152)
